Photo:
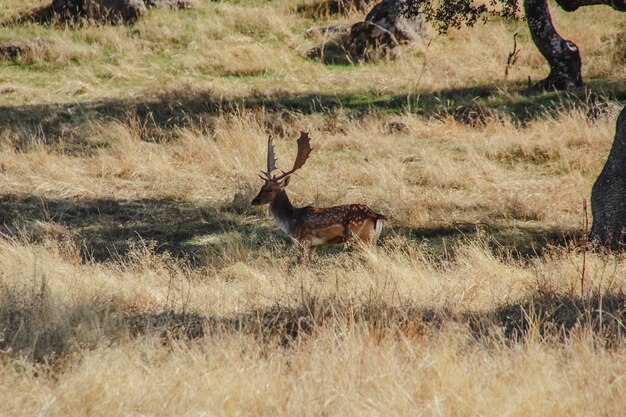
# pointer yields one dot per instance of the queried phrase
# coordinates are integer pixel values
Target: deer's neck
(283, 212)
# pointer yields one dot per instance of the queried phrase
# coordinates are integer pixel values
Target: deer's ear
(285, 182)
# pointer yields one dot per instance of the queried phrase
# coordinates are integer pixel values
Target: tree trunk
(608, 195)
(562, 55)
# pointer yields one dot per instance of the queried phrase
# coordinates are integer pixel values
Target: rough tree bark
(608, 195)
(562, 55)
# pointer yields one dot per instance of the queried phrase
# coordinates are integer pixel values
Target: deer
(311, 226)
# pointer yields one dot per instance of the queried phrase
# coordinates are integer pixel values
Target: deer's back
(316, 218)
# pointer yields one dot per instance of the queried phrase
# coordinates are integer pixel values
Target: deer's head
(275, 184)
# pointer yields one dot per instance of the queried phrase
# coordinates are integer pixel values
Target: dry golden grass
(134, 282)
(221, 46)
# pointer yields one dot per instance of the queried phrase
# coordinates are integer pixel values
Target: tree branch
(571, 5)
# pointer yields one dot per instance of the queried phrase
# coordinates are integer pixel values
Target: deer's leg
(352, 234)
(346, 234)
(306, 250)
(377, 229)
(360, 233)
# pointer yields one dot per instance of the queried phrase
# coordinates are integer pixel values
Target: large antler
(271, 159)
(304, 150)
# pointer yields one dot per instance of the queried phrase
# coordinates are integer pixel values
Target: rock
(397, 127)
(100, 11)
(22, 50)
(370, 42)
(116, 11)
(384, 29)
(123, 11)
(332, 7)
(600, 108)
(473, 114)
(388, 15)
(171, 4)
(13, 50)
(329, 30)
(379, 36)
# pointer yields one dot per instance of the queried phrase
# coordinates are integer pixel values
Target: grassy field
(136, 280)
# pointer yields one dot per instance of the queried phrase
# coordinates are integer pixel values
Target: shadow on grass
(180, 108)
(511, 242)
(34, 323)
(39, 329)
(107, 229)
(549, 316)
